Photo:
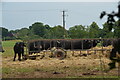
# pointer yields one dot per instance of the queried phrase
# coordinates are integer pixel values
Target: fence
(38, 43)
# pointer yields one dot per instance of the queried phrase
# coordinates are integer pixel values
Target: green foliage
(6, 35)
(117, 29)
(4, 32)
(57, 32)
(105, 31)
(94, 30)
(9, 38)
(23, 34)
(77, 31)
(40, 31)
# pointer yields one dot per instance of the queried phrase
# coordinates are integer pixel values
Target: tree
(116, 28)
(57, 32)
(38, 29)
(23, 33)
(77, 31)
(94, 30)
(4, 32)
(48, 31)
(105, 32)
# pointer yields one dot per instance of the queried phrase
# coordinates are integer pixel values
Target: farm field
(91, 66)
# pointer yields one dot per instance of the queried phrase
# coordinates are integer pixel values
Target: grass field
(8, 47)
(71, 67)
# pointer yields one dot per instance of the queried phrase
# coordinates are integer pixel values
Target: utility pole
(64, 22)
(63, 18)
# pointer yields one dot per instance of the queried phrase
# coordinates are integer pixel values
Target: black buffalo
(116, 49)
(116, 46)
(19, 49)
(113, 53)
(37, 46)
(107, 42)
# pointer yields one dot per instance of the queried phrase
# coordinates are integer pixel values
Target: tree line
(40, 31)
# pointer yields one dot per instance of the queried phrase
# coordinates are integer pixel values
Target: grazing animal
(19, 49)
(107, 42)
(116, 49)
(113, 54)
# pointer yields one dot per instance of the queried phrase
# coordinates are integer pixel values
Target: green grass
(6, 70)
(8, 47)
(24, 70)
(8, 43)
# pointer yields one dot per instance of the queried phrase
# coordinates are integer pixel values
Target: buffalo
(116, 49)
(107, 42)
(113, 53)
(19, 49)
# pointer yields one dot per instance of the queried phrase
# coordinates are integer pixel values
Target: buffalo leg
(113, 54)
(23, 57)
(19, 56)
(14, 56)
(112, 65)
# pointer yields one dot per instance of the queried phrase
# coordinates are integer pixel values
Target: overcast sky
(16, 15)
(59, 0)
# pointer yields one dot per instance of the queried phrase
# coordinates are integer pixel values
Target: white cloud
(59, 0)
